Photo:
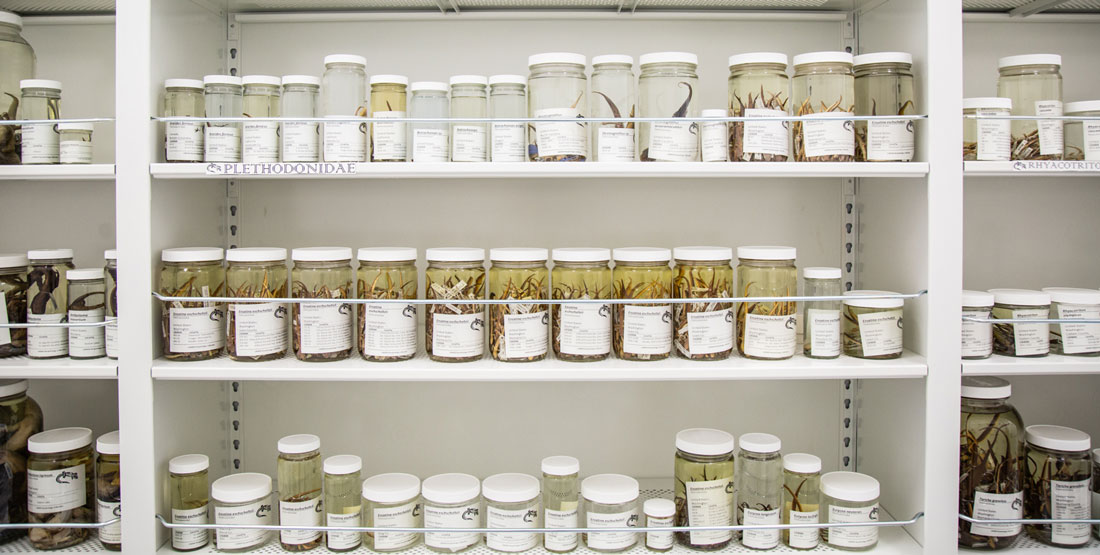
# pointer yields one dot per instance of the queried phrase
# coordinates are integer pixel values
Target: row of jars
(1016, 339)
(44, 287)
(47, 143)
(879, 84)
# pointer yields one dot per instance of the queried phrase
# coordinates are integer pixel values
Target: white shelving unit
(58, 368)
(1051, 365)
(76, 172)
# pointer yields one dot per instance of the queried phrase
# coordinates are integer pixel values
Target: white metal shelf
(23, 546)
(1000, 365)
(58, 368)
(1024, 545)
(58, 172)
(1032, 168)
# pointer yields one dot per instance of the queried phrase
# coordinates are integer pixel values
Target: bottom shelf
(23, 545)
(1024, 544)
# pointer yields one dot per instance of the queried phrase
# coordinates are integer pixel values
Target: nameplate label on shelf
(290, 168)
(1055, 166)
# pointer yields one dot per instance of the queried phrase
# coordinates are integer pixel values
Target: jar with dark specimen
(110, 277)
(455, 332)
(21, 418)
(1019, 339)
(387, 331)
(824, 84)
(257, 330)
(60, 488)
(582, 331)
(108, 490)
(704, 330)
(322, 330)
(1057, 483)
(667, 86)
(300, 485)
(13, 298)
(87, 304)
(1034, 83)
(642, 331)
(759, 489)
(767, 330)
(884, 87)
(518, 332)
(17, 59)
(704, 472)
(192, 330)
(47, 302)
(558, 90)
(759, 88)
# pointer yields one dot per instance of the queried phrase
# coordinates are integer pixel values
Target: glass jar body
(403, 514)
(977, 337)
(253, 511)
(703, 330)
(265, 337)
(767, 330)
(300, 501)
(801, 502)
(582, 332)
(344, 90)
(518, 514)
(1021, 340)
(190, 498)
(610, 515)
(759, 90)
(17, 59)
(561, 496)
(462, 514)
(430, 142)
(1056, 486)
(827, 87)
(222, 142)
(559, 91)
(183, 141)
(40, 141)
(322, 331)
(987, 139)
(464, 323)
(854, 538)
(990, 444)
(343, 507)
(300, 139)
(1077, 147)
(518, 332)
(1074, 339)
(192, 330)
(508, 138)
(642, 280)
(700, 481)
(1035, 90)
(388, 139)
(13, 291)
(759, 497)
(110, 276)
(613, 96)
(48, 303)
(87, 304)
(22, 416)
(885, 89)
(469, 139)
(44, 468)
(668, 90)
(387, 332)
(821, 330)
(260, 139)
(857, 342)
(108, 500)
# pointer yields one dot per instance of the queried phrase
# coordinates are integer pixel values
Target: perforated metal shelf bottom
(23, 545)
(1026, 543)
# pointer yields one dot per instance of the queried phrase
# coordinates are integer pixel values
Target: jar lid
(183, 84)
(453, 487)
(883, 58)
(659, 507)
(13, 260)
(610, 489)
(12, 387)
(517, 254)
(261, 80)
(76, 127)
(299, 443)
(668, 58)
(59, 440)
(256, 254)
(507, 79)
(827, 57)
(976, 298)
(39, 84)
(320, 254)
(849, 486)
(188, 464)
(110, 254)
(986, 387)
(758, 58)
(760, 443)
(767, 253)
(389, 80)
(343, 464)
(820, 272)
(429, 86)
(556, 58)
(241, 488)
(1073, 295)
(802, 463)
(714, 113)
(49, 254)
(581, 254)
(703, 253)
(392, 487)
(561, 465)
(1030, 60)
(705, 441)
(221, 80)
(455, 254)
(11, 19)
(1083, 106)
(469, 80)
(641, 254)
(107, 444)
(612, 59)
(987, 102)
(84, 273)
(510, 487)
(301, 80)
(345, 59)
(1023, 297)
(853, 298)
(1059, 438)
(386, 254)
(192, 254)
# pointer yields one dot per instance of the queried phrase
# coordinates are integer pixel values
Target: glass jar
(508, 100)
(1057, 483)
(192, 330)
(1034, 83)
(767, 330)
(884, 87)
(850, 497)
(387, 331)
(1074, 304)
(559, 91)
(511, 501)
(256, 273)
(391, 501)
(260, 139)
(17, 59)
(344, 94)
(452, 501)
(714, 137)
(224, 98)
(13, 295)
(48, 301)
(1082, 137)
(659, 513)
(189, 490)
(667, 88)
(75, 143)
(872, 327)
(243, 498)
(759, 489)
(430, 141)
(610, 501)
(704, 476)
(704, 330)
(322, 331)
(108, 490)
(823, 83)
(1021, 340)
(613, 83)
(300, 482)
(987, 139)
(87, 305)
(977, 337)
(561, 501)
(23, 417)
(455, 273)
(41, 100)
(642, 273)
(469, 100)
(821, 331)
(110, 276)
(990, 441)
(582, 331)
(1096, 489)
(801, 499)
(343, 507)
(183, 141)
(518, 332)
(387, 100)
(759, 87)
(60, 487)
(300, 139)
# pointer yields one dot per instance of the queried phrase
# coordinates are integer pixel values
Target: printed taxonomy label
(297, 168)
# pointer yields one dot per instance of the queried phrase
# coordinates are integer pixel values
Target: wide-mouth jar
(667, 89)
(873, 327)
(391, 500)
(322, 330)
(610, 501)
(60, 486)
(40, 100)
(1081, 135)
(108, 487)
(1017, 339)
(703, 330)
(257, 331)
(387, 331)
(823, 83)
(455, 273)
(987, 139)
(759, 88)
(1069, 303)
(884, 87)
(642, 331)
(518, 332)
(704, 488)
(192, 330)
(1034, 83)
(452, 501)
(767, 330)
(581, 331)
(977, 337)
(511, 501)
(850, 497)
(1057, 477)
(243, 498)
(558, 89)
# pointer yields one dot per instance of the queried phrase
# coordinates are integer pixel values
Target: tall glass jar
(767, 330)
(260, 139)
(801, 499)
(872, 327)
(508, 100)
(977, 337)
(183, 141)
(1082, 138)
(60, 486)
(344, 94)
(884, 87)
(108, 490)
(452, 501)
(469, 139)
(322, 331)
(849, 497)
(613, 96)
(642, 331)
(518, 332)
(667, 89)
(13, 297)
(388, 140)
(703, 330)
(301, 139)
(300, 483)
(430, 141)
(257, 331)
(391, 501)
(759, 488)
(823, 84)
(511, 501)
(21, 417)
(561, 501)
(17, 59)
(48, 301)
(243, 498)
(987, 139)
(343, 506)
(821, 332)
(1070, 303)
(110, 276)
(704, 473)
(87, 305)
(759, 87)
(189, 490)
(1057, 483)
(582, 331)
(455, 332)
(387, 331)
(1034, 83)
(559, 91)
(41, 100)
(610, 501)
(192, 330)
(224, 98)
(1021, 340)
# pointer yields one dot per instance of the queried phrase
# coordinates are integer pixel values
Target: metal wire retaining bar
(1030, 320)
(25, 525)
(1033, 118)
(1030, 520)
(59, 325)
(357, 119)
(62, 120)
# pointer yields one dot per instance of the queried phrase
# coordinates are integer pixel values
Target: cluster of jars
(983, 335)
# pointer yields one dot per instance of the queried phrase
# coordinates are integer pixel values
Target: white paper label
(853, 536)
(326, 327)
(509, 142)
(673, 141)
(223, 144)
(343, 540)
(585, 329)
(301, 513)
(404, 516)
(560, 138)
(1031, 339)
(40, 144)
(389, 137)
(458, 335)
(240, 538)
(53, 491)
(260, 328)
(5, 333)
(466, 516)
(710, 503)
(186, 539)
(86, 342)
(890, 140)
(647, 330)
(766, 137)
(469, 143)
(829, 137)
(260, 142)
(345, 141)
(804, 538)
(194, 330)
(562, 541)
(714, 138)
(1090, 131)
(47, 342)
(525, 335)
(511, 541)
(76, 152)
(770, 336)
(105, 511)
(389, 330)
(612, 541)
(300, 141)
(881, 333)
(994, 136)
(997, 506)
(977, 337)
(1070, 500)
(183, 142)
(824, 332)
(760, 539)
(615, 144)
(710, 332)
(1078, 338)
(110, 334)
(1050, 130)
(658, 540)
(430, 145)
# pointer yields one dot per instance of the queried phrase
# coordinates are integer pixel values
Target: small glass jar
(884, 87)
(667, 88)
(189, 489)
(704, 476)
(659, 513)
(767, 330)
(455, 273)
(703, 330)
(977, 337)
(18, 60)
(610, 501)
(322, 331)
(849, 497)
(1057, 483)
(872, 327)
(110, 276)
(559, 91)
(75, 143)
(714, 137)
(1034, 83)
(243, 498)
(801, 499)
(300, 482)
(642, 331)
(108, 490)
(821, 331)
(22, 415)
(518, 332)
(192, 330)
(13, 295)
(1021, 340)
(469, 139)
(387, 331)
(759, 489)
(344, 94)
(391, 501)
(431, 142)
(613, 84)
(452, 501)
(260, 139)
(183, 141)
(1082, 137)
(256, 273)
(300, 139)
(987, 139)
(87, 305)
(508, 100)
(823, 83)
(990, 441)
(511, 501)
(582, 331)
(387, 100)
(48, 301)
(1074, 304)
(343, 507)
(759, 87)
(41, 100)
(561, 501)
(60, 486)
(224, 98)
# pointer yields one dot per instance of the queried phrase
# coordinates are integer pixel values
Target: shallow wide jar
(387, 100)
(987, 139)
(13, 295)
(884, 87)
(387, 331)
(581, 331)
(610, 501)
(469, 100)
(452, 501)
(1083, 136)
(260, 139)
(561, 501)
(300, 139)
(667, 89)
(518, 332)
(1070, 303)
(183, 140)
(60, 486)
(257, 330)
(1034, 83)
(108, 490)
(343, 505)
(76, 143)
(850, 497)
(322, 330)
(873, 327)
(224, 98)
(300, 483)
(642, 331)
(821, 331)
(1057, 479)
(704, 475)
(192, 330)
(511, 501)
(48, 301)
(40, 100)
(759, 88)
(391, 501)
(508, 100)
(977, 337)
(19, 413)
(1021, 340)
(243, 498)
(801, 499)
(189, 490)
(767, 330)
(759, 488)
(703, 330)
(87, 305)
(613, 84)
(824, 83)
(558, 90)
(455, 332)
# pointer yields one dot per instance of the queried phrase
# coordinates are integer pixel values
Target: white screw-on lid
(802, 463)
(702, 253)
(469, 80)
(561, 465)
(668, 58)
(517, 254)
(1021, 297)
(821, 272)
(429, 86)
(455, 254)
(188, 464)
(49, 254)
(714, 113)
(612, 59)
(453, 487)
(856, 298)
(13, 260)
(299, 443)
(641, 254)
(581, 254)
(767, 253)
(107, 444)
(241, 488)
(1073, 295)
(40, 84)
(11, 19)
(510, 487)
(987, 102)
(760, 443)
(705, 441)
(823, 58)
(883, 58)
(182, 84)
(192, 254)
(556, 58)
(320, 254)
(850, 486)
(301, 80)
(389, 80)
(221, 80)
(256, 254)
(343, 464)
(76, 127)
(976, 298)
(758, 58)
(345, 59)
(12, 387)
(1082, 106)
(609, 489)
(985, 387)
(1030, 60)
(392, 487)
(59, 440)
(386, 254)
(1059, 438)
(261, 80)
(659, 507)
(110, 254)
(507, 79)
(84, 273)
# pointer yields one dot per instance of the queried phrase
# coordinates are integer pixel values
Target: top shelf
(58, 7)
(1032, 168)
